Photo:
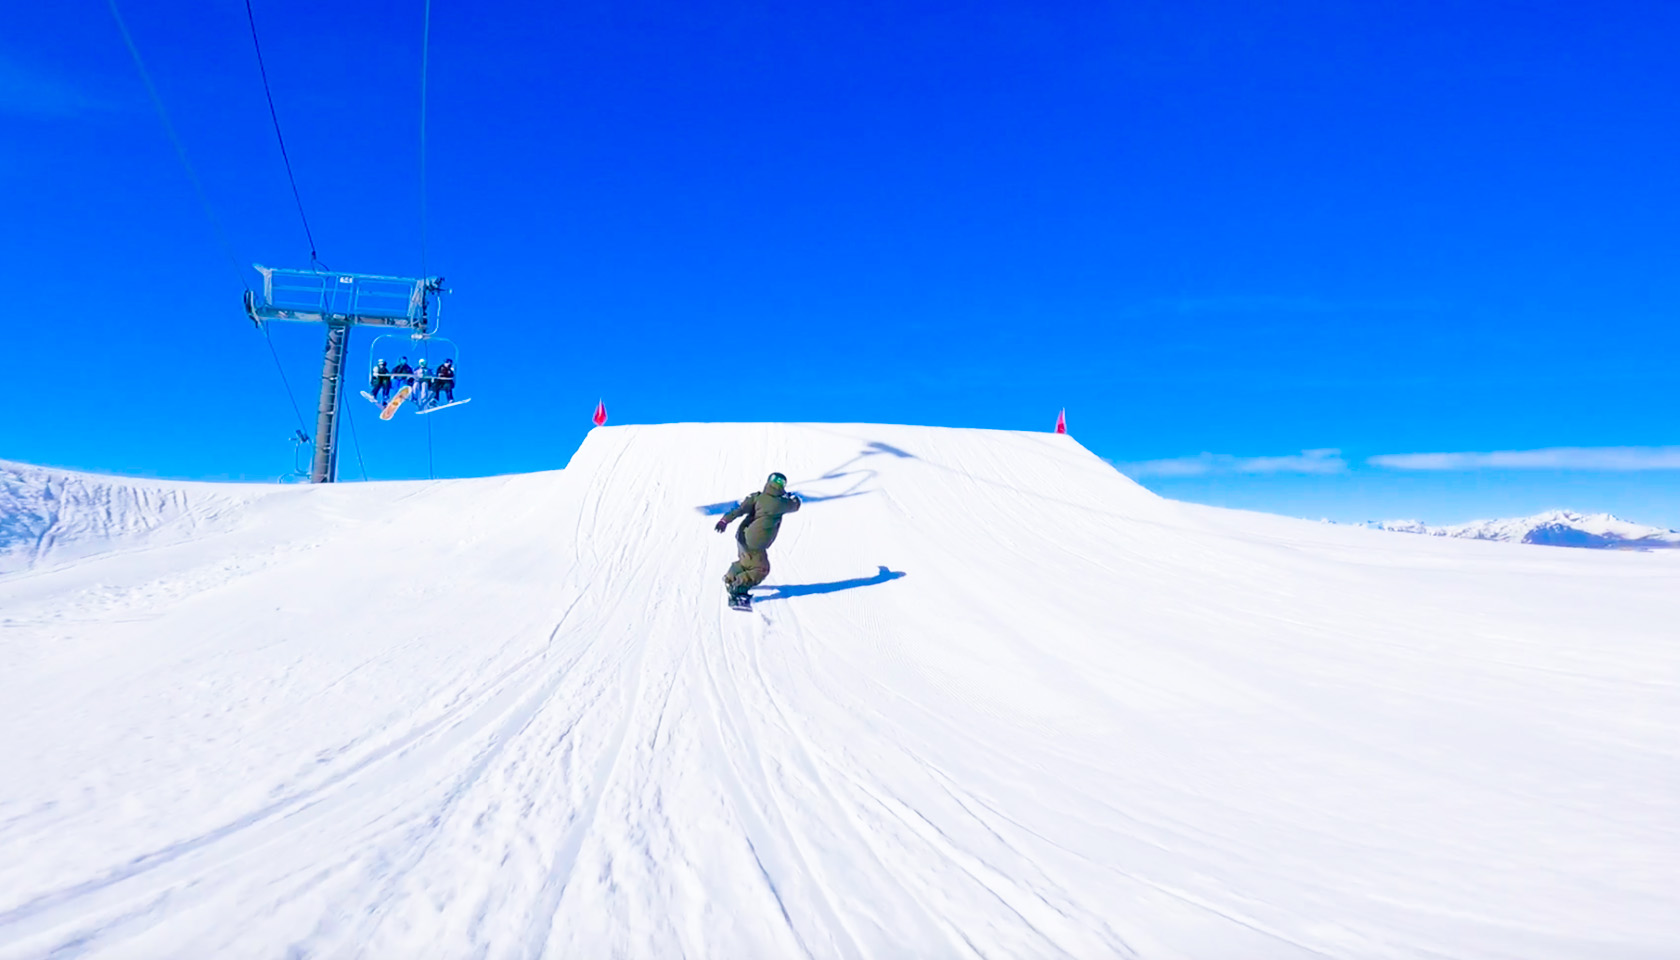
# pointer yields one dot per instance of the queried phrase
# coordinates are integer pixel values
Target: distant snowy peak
(1555, 528)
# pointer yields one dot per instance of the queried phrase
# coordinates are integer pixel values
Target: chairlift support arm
(347, 299)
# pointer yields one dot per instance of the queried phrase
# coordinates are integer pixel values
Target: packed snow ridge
(1555, 528)
(995, 700)
(64, 515)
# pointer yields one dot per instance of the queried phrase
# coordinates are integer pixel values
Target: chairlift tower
(341, 301)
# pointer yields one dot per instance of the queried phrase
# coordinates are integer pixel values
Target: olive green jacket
(761, 515)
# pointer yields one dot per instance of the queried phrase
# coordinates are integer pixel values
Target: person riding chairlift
(443, 382)
(422, 384)
(381, 382)
(402, 375)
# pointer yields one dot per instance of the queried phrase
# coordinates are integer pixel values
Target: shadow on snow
(786, 590)
(870, 449)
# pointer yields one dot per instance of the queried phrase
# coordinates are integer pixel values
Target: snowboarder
(402, 375)
(761, 518)
(422, 385)
(443, 382)
(381, 382)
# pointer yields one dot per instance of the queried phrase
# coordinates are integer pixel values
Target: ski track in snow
(1009, 704)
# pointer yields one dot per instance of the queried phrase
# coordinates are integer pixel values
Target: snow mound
(995, 700)
(48, 516)
(1556, 528)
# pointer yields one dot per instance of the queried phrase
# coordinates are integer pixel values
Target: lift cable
(180, 148)
(274, 115)
(281, 369)
(350, 414)
(314, 255)
(425, 61)
(203, 197)
(425, 64)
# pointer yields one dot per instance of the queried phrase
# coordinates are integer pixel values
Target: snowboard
(372, 399)
(445, 406)
(742, 603)
(396, 401)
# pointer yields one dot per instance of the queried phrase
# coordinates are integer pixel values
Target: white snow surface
(55, 515)
(996, 700)
(1553, 527)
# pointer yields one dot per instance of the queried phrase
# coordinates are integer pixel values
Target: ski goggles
(778, 479)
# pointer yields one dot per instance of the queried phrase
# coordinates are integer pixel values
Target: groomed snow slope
(995, 700)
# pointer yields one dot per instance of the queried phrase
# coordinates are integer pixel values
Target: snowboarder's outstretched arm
(741, 509)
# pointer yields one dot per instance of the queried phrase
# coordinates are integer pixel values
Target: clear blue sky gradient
(1244, 229)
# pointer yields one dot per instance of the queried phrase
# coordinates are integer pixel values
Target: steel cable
(180, 148)
(284, 156)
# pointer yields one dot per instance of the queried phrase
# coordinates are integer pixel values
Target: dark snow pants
(749, 571)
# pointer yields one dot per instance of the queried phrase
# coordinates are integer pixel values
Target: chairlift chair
(416, 348)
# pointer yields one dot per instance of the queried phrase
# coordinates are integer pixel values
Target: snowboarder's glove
(722, 525)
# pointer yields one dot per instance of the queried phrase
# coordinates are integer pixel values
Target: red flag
(1061, 422)
(600, 412)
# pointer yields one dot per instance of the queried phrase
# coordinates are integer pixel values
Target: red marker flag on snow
(1061, 422)
(600, 412)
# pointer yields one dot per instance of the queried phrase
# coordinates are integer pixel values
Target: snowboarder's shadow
(876, 446)
(870, 449)
(786, 590)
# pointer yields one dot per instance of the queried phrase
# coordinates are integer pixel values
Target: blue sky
(1258, 254)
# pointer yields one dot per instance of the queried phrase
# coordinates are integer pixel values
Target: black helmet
(778, 478)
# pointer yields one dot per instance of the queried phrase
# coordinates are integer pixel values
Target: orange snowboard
(396, 401)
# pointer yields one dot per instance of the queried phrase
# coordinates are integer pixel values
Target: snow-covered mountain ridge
(1554, 528)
